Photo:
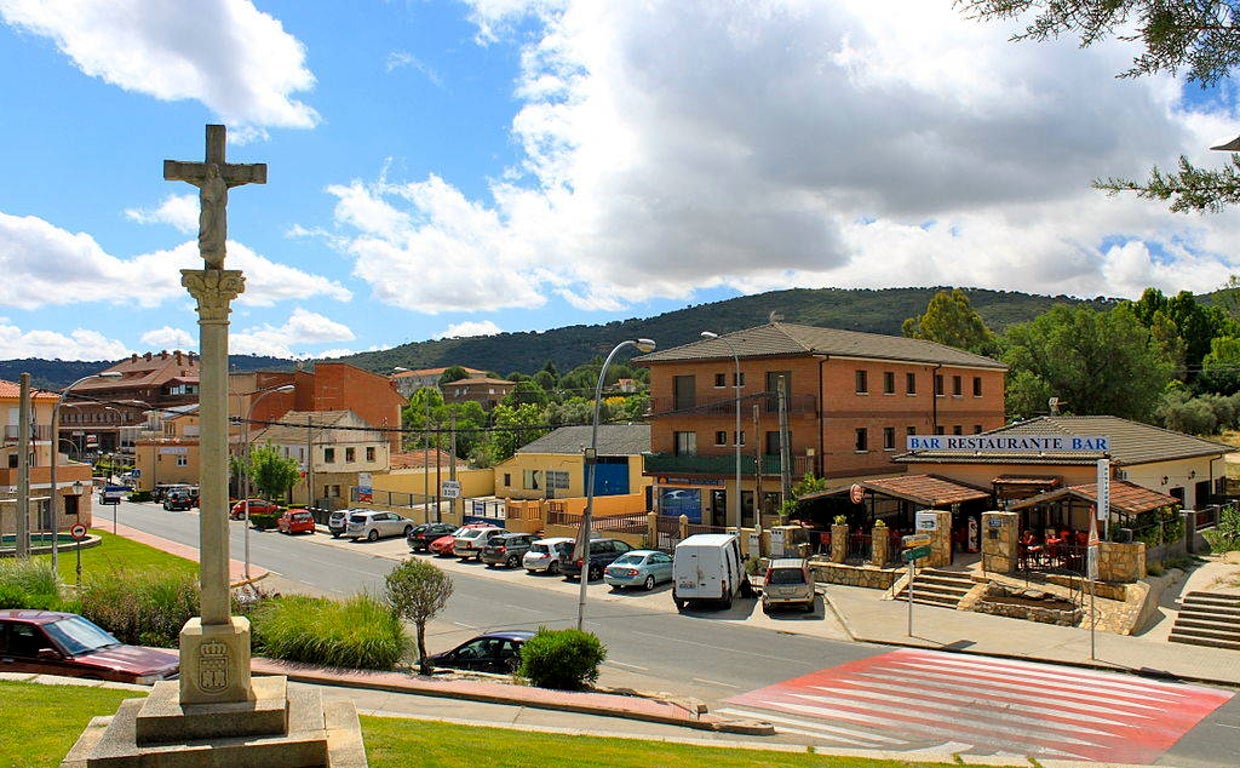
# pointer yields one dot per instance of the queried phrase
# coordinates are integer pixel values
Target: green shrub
(262, 520)
(28, 584)
(142, 608)
(140, 496)
(359, 633)
(1225, 536)
(566, 659)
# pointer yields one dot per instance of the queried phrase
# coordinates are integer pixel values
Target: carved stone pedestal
(281, 727)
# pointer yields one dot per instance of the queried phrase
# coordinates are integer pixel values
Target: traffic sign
(915, 540)
(916, 553)
(451, 489)
(78, 531)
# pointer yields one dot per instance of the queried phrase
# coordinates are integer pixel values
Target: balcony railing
(722, 464)
(41, 432)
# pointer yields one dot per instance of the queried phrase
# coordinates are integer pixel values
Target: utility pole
(757, 465)
(22, 528)
(309, 460)
(785, 450)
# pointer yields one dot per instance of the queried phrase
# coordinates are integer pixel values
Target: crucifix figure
(214, 177)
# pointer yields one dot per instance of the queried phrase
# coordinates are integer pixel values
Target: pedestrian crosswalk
(915, 699)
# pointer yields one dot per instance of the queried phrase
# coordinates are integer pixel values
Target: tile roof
(1126, 497)
(613, 440)
(783, 340)
(1131, 443)
(927, 490)
(418, 459)
(13, 390)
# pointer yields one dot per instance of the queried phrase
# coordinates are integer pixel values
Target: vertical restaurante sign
(1008, 443)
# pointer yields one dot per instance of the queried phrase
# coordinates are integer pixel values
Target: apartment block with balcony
(849, 401)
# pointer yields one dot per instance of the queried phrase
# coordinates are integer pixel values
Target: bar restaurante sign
(1008, 443)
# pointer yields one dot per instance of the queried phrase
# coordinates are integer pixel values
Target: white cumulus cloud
(169, 338)
(302, 328)
(470, 328)
(80, 344)
(235, 59)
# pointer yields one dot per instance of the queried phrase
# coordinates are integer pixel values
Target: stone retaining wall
(854, 575)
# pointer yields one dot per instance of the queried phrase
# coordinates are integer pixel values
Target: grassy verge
(43, 721)
(118, 553)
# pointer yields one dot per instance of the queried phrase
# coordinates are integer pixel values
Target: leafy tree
(1220, 369)
(1097, 363)
(527, 391)
(514, 427)
(951, 320)
(1197, 37)
(451, 374)
(418, 591)
(574, 410)
(272, 473)
(471, 427)
(1183, 327)
(421, 415)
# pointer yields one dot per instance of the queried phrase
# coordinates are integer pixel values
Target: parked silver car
(546, 555)
(373, 525)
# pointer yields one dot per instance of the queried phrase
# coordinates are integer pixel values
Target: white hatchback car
(546, 555)
(372, 525)
(470, 542)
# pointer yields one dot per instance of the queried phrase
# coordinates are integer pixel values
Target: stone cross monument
(215, 648)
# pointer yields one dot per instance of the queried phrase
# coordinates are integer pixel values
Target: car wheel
(405, 533)
(594, 573)
(680, 604)
(373, 535)
(513, 561)
(649, 585)
(766, 609)
(809, 607)
(554, 568)
(335, 535)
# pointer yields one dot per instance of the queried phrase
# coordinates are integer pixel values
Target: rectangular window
(329, 455)
(863, 383)
(686, 443)
(684, 394)
(742, 440)
(957, 385)
(862, 440)
(738, 380)
(772, 387)
(977, 429)
(721, 437)
(721, 380)
(889, 382)
(910, 383)
(182, 461)
(938, 384)
(531, 479)
(335, 492)
(940, 431)
(889, 438)
(958, 430)
(370, 453)
(910, 431)
(772, 444)
(350, 455)
(507, 479)
(977, 386)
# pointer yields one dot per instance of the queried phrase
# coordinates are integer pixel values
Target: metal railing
(860, 548)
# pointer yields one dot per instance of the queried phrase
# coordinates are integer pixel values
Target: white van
(708, 566)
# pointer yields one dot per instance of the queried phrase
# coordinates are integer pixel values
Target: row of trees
(1168, 360)
(537, 404)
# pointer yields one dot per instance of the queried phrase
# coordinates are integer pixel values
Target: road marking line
(818, 727)
(466, 626)
(714, 682)
(622, 664)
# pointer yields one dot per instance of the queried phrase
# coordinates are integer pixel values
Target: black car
(507, 549)
(602, 553)
(421, 536)
(498, 652)
(180, 499)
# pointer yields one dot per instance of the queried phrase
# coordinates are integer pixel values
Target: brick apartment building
(850, 400)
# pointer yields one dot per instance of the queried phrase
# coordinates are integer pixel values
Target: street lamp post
(736, 437)
(54, 502)
(245, 441)
(582, 550)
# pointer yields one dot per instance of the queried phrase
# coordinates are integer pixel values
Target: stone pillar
(880, 545)
(652, 527)
(940, 540)
(839, 542)
(215, 648)
(684, 527)
(1189, 518)
(1000, 542)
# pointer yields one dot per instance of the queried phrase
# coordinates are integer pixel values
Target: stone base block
(165, 719)
(316, 735)
(215, 661)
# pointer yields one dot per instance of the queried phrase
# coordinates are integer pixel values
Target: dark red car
(54, 643)
(257, 507)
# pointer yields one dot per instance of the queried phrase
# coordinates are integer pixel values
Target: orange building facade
(850, 400)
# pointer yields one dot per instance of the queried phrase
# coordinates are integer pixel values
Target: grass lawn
(117, 553)
(41, 723)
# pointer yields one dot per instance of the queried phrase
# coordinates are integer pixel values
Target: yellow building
(166, 448)
(553, 466)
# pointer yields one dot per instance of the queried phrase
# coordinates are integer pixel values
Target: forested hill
(875, 311)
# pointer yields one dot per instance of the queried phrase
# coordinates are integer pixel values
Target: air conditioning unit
(1121, 474)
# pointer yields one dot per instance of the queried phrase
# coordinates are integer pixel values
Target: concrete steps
(1210, 619)
(935, 587)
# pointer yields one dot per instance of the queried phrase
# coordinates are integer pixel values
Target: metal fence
(860, 548)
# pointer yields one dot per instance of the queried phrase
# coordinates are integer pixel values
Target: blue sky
(455, 168)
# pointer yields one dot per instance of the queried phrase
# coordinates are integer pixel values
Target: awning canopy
(925, 490)
(1126, 497)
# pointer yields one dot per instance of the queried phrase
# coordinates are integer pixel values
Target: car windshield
(80, 636)
(787, 576)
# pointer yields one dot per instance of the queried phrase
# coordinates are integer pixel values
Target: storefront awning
(1126, 497)
(924, 490)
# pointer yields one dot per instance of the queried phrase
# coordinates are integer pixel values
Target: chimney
(147, 356)
(134, 358)
(178, 356)
(163, 354)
